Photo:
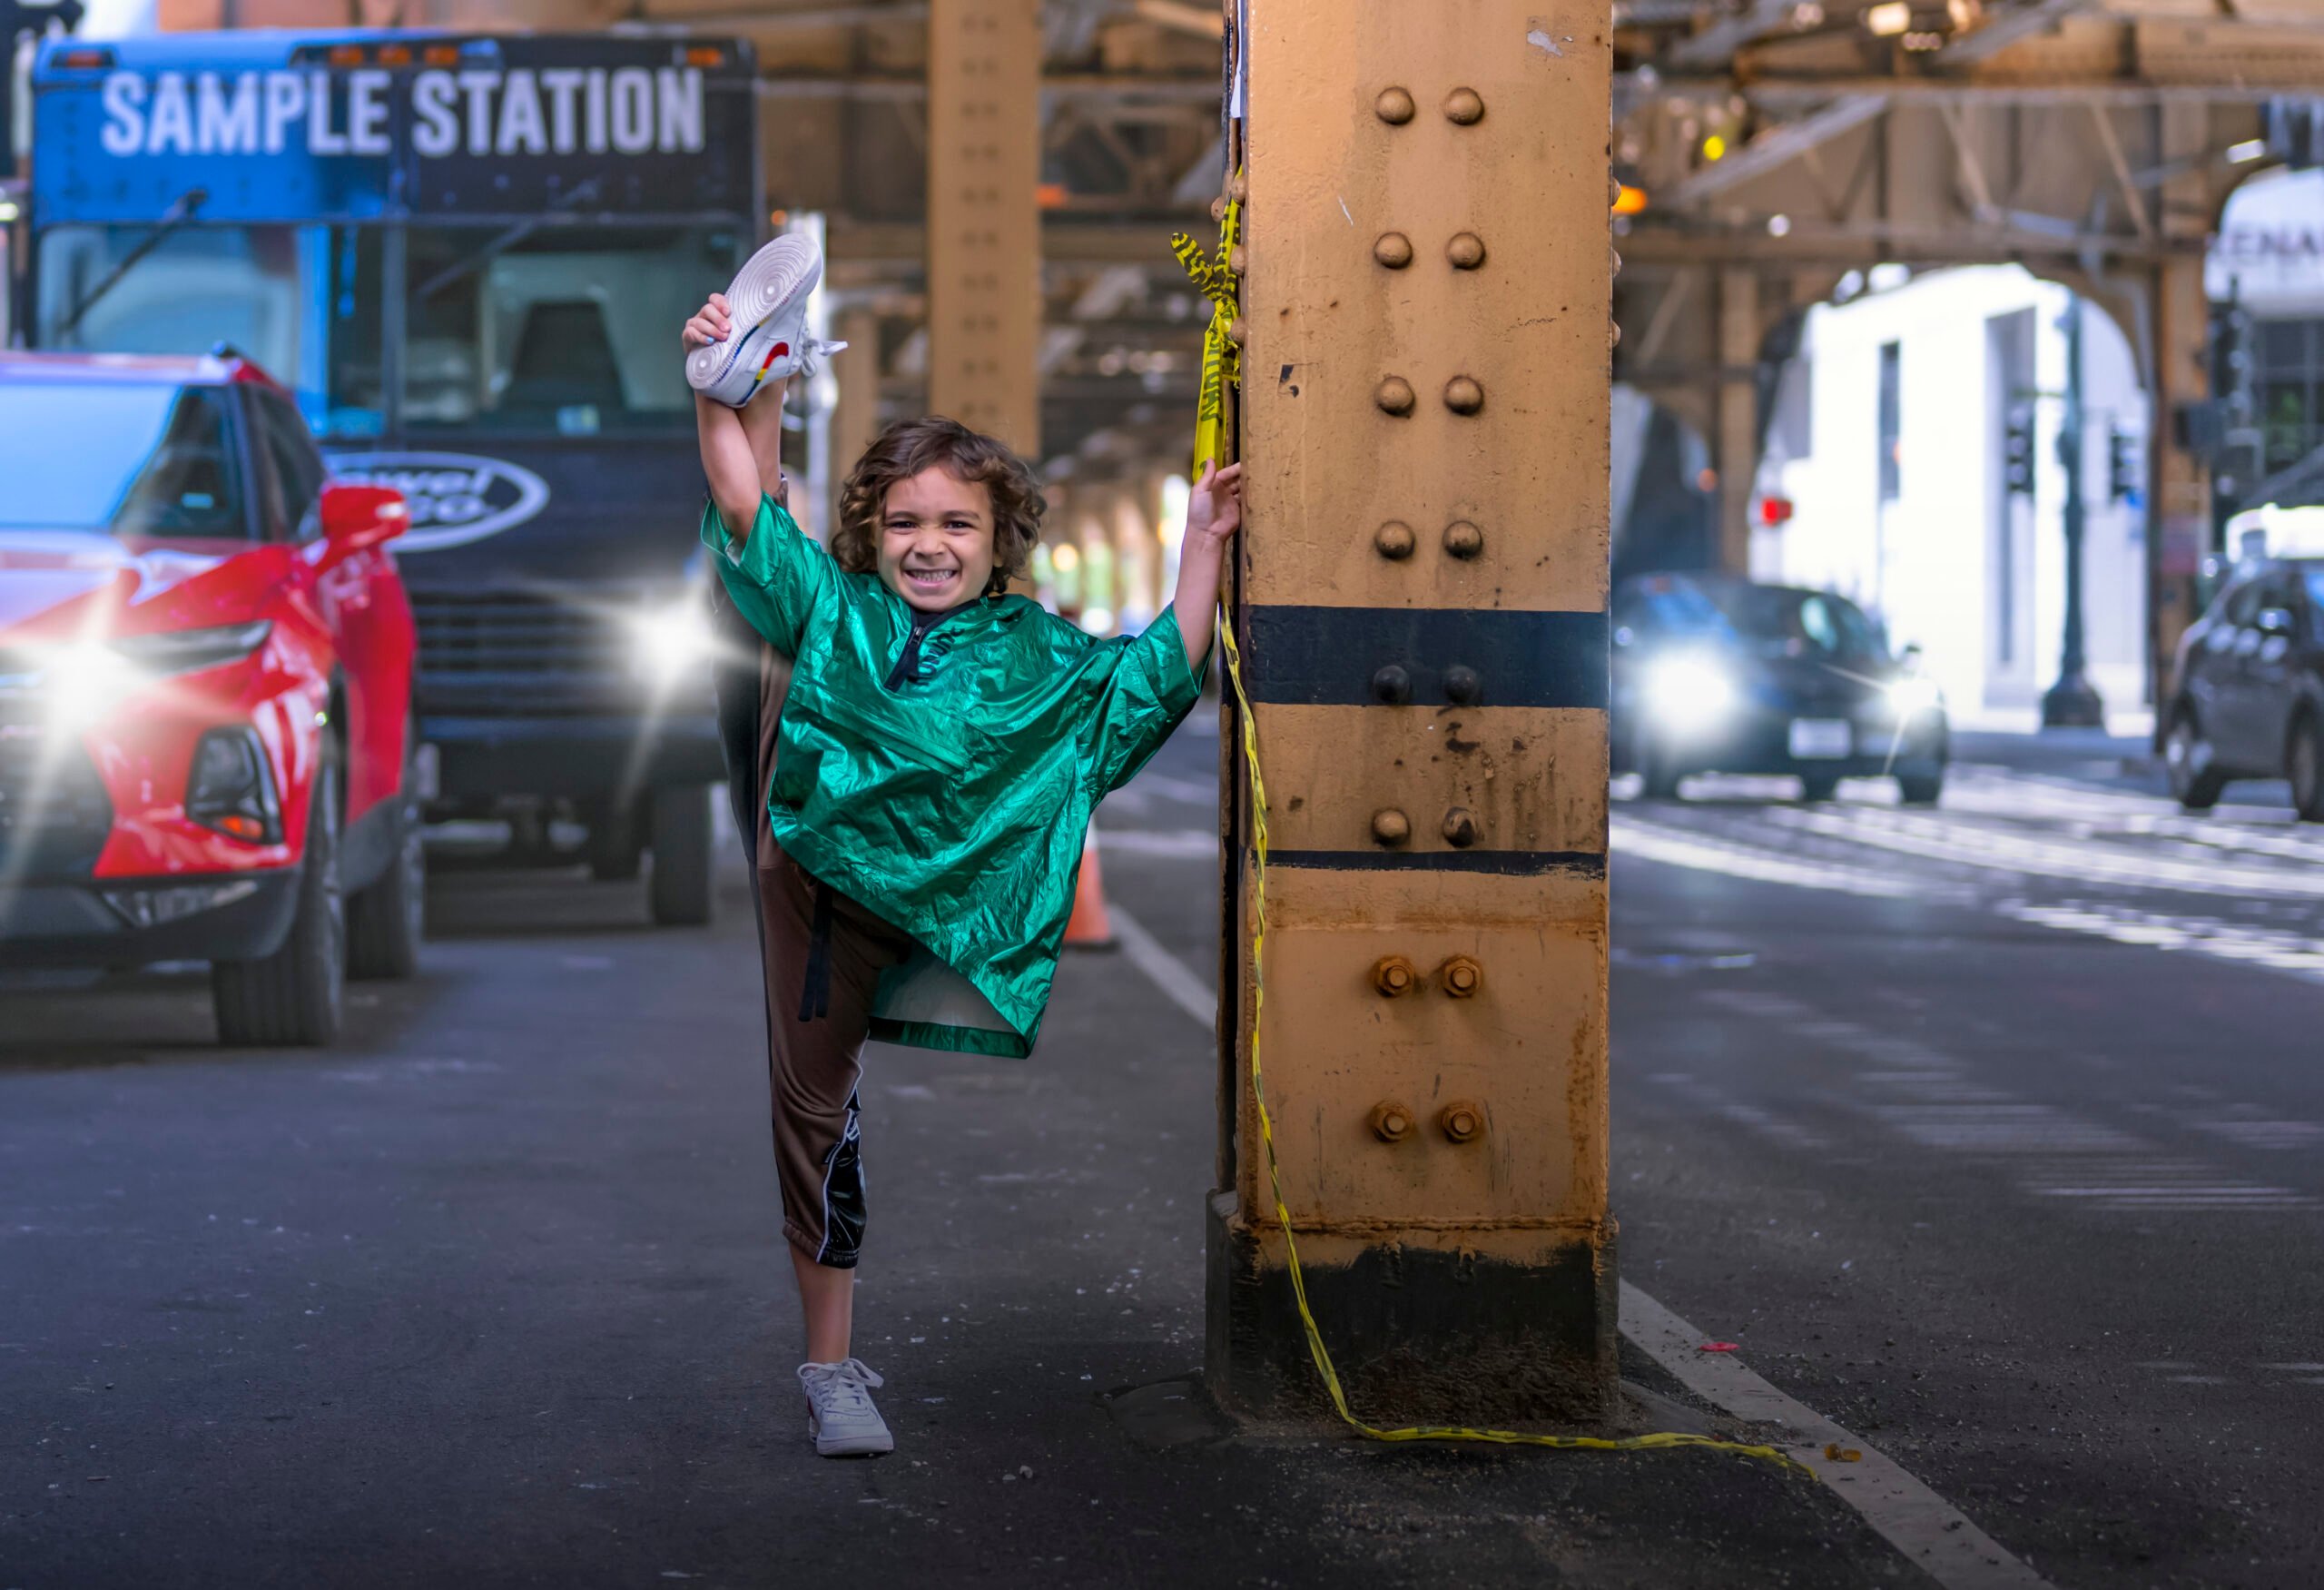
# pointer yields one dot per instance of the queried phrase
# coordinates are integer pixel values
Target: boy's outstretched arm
(741, 449)
(1214, 512)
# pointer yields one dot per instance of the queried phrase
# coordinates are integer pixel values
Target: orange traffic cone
(1087, 928)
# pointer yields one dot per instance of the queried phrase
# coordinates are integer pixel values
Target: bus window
(203, 285)
(557, 328)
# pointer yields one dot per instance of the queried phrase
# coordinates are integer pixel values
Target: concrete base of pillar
(1418, 1335)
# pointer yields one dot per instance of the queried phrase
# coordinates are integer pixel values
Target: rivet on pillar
(1394, 540)
(1391, 826)
(1466, 250)
(1394, 396)
(1463, 396)
(1393, 250)
(1460, 828)
(1394, 106)
(1463, 107)
(1462, 540)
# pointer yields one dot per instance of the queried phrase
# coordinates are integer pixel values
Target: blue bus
(468, 257)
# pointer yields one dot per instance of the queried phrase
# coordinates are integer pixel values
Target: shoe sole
(789, 266)
(861, 1447)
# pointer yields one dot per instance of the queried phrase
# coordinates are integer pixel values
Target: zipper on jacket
(906, 671)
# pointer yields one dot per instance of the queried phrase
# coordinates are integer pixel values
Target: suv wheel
(385, 921)
(2305, 765)
(679, 888)
(1922, 791)
(294, 996)
(2195, 780)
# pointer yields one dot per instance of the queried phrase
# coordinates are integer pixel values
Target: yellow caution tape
(1217, 282)
(1214, 279)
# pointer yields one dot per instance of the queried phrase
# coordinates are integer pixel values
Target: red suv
(206, 746)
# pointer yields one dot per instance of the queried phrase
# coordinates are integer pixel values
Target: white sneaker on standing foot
(840, 1415)
(767, 338)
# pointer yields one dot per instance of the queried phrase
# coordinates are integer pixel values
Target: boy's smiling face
(936, 540)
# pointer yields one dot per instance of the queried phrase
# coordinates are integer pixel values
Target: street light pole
(2073, 702)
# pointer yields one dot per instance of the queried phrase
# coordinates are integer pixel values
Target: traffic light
(2017, 449)
(2231, 356)
(2122, 464)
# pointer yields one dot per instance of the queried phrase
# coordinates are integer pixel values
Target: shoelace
(842, 1385)
(812, 352)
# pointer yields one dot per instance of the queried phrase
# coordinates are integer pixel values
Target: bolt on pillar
(1424, 424)
(984, 241)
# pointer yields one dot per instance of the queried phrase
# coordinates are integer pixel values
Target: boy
(939, 753)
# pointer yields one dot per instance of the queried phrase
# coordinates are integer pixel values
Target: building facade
(1891, 440)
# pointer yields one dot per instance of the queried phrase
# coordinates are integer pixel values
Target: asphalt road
(1993, 1133)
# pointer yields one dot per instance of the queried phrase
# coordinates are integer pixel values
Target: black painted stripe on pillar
(1520, 863)
(1331, 657)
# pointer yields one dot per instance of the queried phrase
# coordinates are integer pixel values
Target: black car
(1720, 675)
(2249, 696)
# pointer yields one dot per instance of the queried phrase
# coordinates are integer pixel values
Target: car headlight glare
(1914, 695)
(82, 683)
(669, 642)
(1686, 693)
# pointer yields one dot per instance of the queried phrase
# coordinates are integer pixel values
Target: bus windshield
(565, 329)
(203, 285)
(558, 328)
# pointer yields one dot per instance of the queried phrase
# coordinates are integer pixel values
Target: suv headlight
(1914, 695)
(1687, 693)
(84, 680)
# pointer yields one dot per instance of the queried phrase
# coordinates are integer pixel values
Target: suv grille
(55, 813)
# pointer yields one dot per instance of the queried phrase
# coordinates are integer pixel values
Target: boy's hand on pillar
(1214, 513)
(1213, 510)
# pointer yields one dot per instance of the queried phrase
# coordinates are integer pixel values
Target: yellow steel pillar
(2178, 518)
(1424, 424)
(984, 255)
(2180, 515)
(1734, 446)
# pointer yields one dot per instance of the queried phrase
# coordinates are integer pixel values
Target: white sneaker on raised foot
(767, 340)
(840, 1415)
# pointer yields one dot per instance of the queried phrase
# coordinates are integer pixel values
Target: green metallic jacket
(951, 798)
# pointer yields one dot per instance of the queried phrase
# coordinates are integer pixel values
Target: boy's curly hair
(910, 445)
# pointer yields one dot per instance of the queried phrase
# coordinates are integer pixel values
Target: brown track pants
(813, 1065)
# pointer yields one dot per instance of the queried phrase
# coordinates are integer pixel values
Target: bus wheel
(679, 888)
(617, 841)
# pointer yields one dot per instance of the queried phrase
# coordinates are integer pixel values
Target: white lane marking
(2222, 941)
(1163, 969)
(1179, 844)
(1791, 1134)
(1994, 849)
(1683, 847)
(1194, 792)
(1930, 1531)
